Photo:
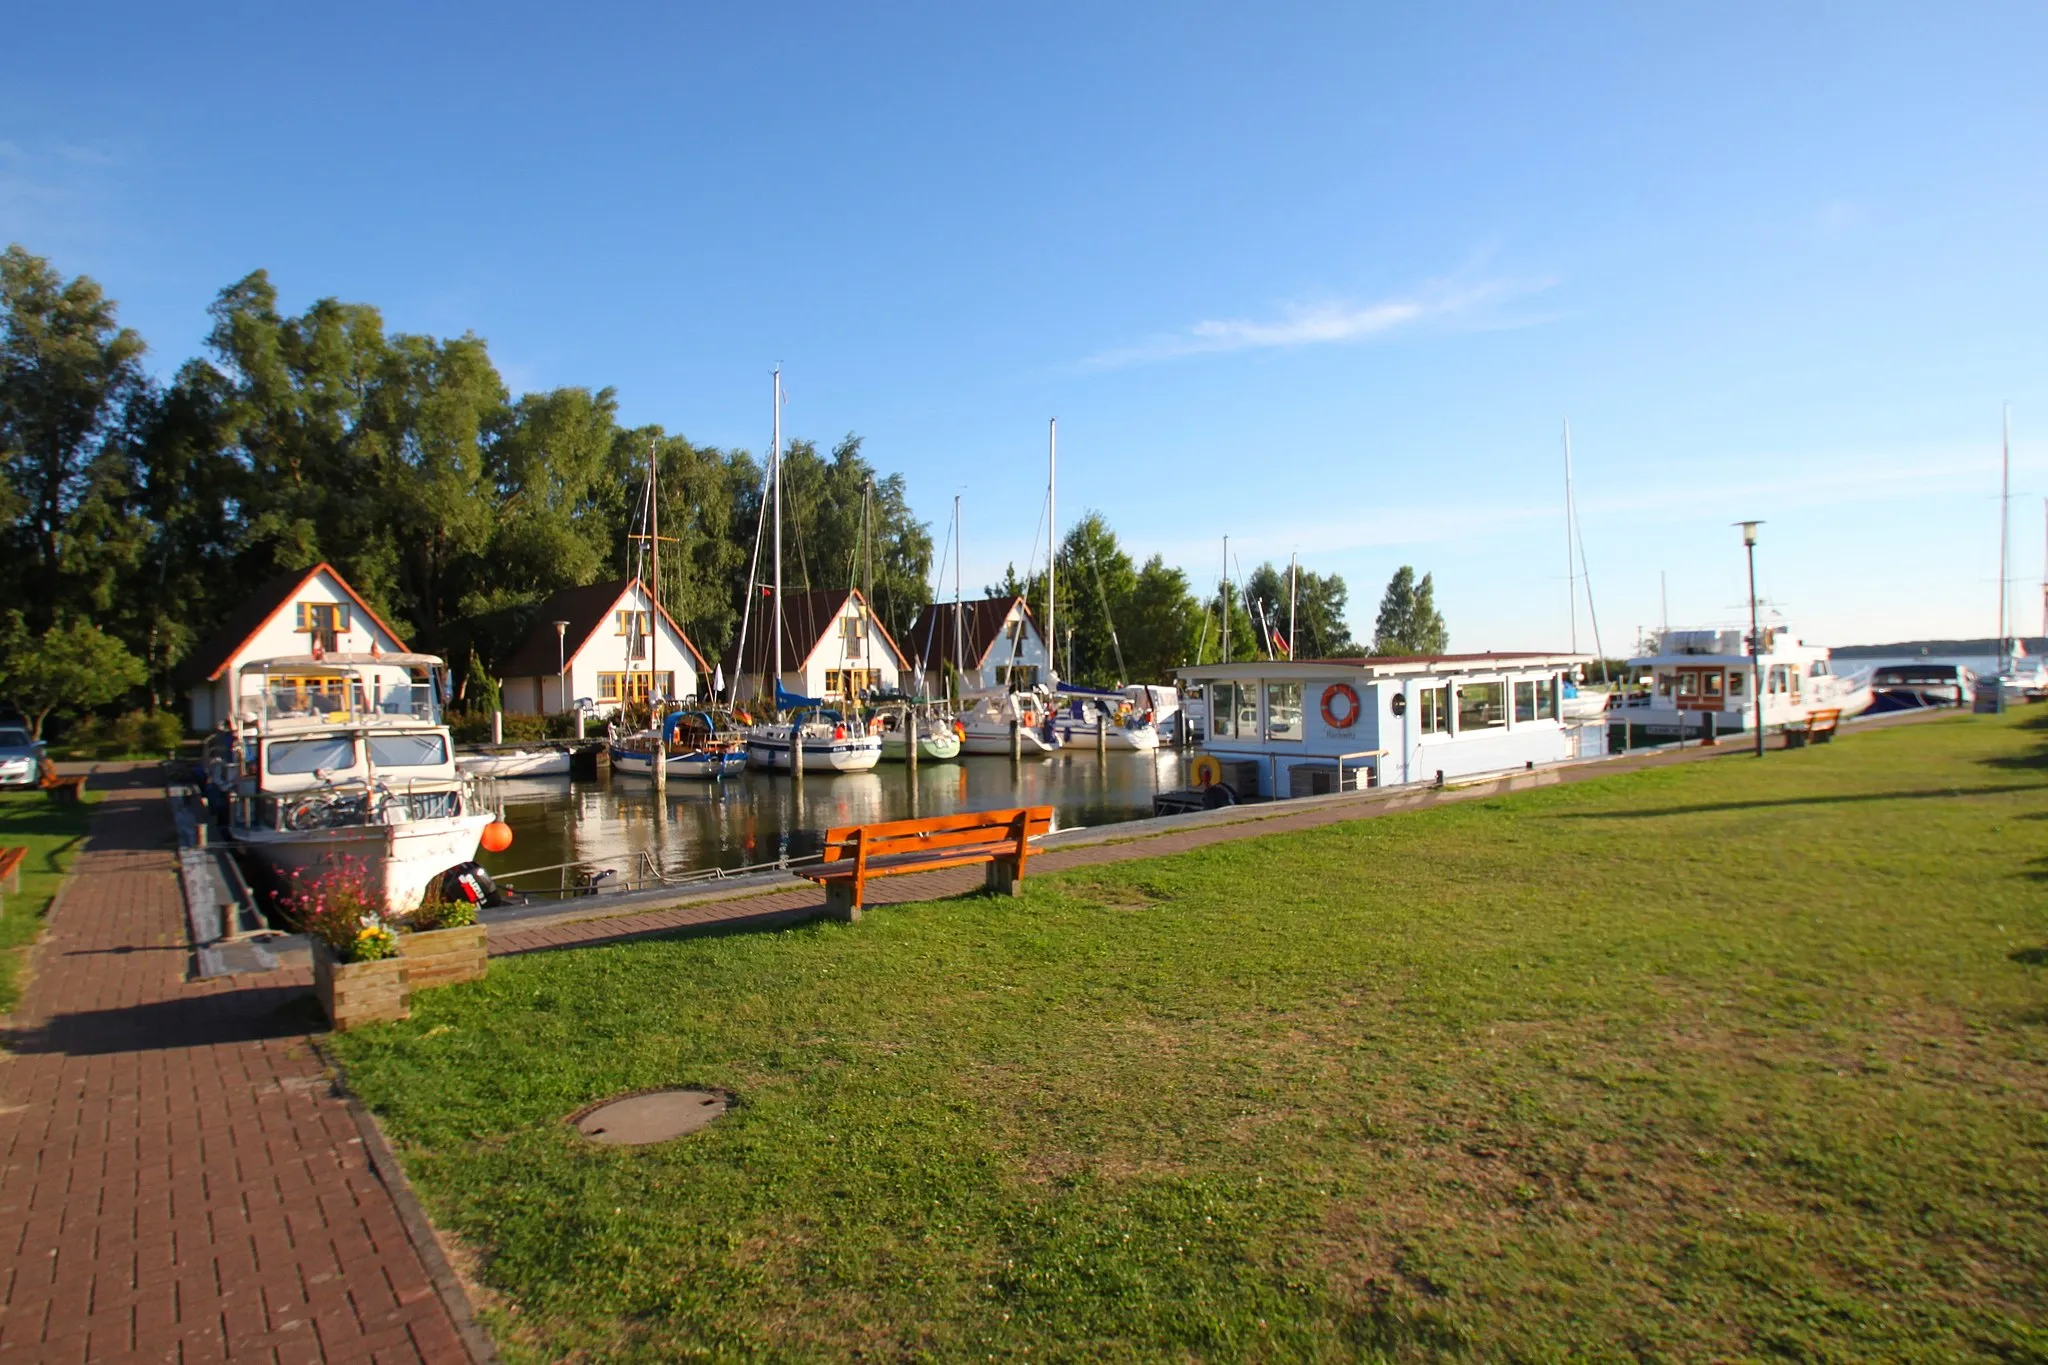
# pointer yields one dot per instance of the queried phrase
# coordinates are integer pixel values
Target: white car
(20, 757)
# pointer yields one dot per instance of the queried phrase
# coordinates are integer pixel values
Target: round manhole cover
(655, 1116)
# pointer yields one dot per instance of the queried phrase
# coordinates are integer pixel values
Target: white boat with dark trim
(985, 725)
(342, 760)
(831, 743)
(1124, 727)
(700, 744)
(1699, 678)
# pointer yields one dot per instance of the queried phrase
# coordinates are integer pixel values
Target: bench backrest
(939, 832)
(1825, 717)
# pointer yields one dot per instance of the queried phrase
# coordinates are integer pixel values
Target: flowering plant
(338, 907)
(440, 912)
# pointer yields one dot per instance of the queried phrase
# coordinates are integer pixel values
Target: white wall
(605, 651)
(1030, 653)
(282, 635)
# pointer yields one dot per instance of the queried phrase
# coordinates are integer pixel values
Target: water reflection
(617, 823)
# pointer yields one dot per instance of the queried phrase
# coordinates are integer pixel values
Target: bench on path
(70, 790)
(11, 860)
(1817, 728)
(853, 855)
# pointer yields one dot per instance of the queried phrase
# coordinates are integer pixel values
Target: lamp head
(561, 627)
(1749, 531)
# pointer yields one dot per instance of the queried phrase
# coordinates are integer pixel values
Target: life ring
(1207, 771)
(875, 726)
(1351, 708)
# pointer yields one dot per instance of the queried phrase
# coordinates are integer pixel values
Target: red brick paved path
(178, 1180)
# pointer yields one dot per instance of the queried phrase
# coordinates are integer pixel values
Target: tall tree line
(150, 509)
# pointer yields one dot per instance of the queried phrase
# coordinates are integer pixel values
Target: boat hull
(1142, 739)
(931, 748)
(856, 754)
(399, 861)
(699, 765)
(1031, 742)
(522, 763)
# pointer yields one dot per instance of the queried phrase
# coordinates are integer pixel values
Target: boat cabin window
(1666, 683)
(1433, 710)
(1548, 699)
(408, 751)
(1283, 710)
(1689, 683)
(1525, 702)
(1820, 669)
(1482, 706)
(324, 753)
(1738, 682)
(287, 697)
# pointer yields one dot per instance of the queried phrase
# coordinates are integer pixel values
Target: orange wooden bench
(1818, 728)
(11, 860)
(853, 855)
(70, 790)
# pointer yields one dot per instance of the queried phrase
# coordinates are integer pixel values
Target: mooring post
(1101, 733)
(1016, 741)
(497, 727)
(796, 750)
(910, 743)
(660, 763)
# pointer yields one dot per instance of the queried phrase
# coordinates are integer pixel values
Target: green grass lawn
(52, 834)
(1716, 1061)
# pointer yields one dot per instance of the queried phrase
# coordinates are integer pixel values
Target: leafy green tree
(1162, 623)
(1320, 631)
(1409, 622)
(73, 665)
(67, 373)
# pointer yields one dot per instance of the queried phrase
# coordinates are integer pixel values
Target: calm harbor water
(616, 822)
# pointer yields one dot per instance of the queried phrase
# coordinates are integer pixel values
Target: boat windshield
(322, 753)
(408, 750)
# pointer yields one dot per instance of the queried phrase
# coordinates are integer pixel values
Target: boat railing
(357, 803)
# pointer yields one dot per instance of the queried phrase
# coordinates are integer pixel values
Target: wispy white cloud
(1323, 323)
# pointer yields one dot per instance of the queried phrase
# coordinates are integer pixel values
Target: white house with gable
(605, 642)
(313, 611)
(993, 641)
(833, 646)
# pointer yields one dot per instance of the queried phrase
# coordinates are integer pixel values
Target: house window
(633, 687)
(1525, 702)
(852, 630)
(850, 682)
(1283, 711)
(635, 626)
(1482, 706)
(1433, 714)
(1019, 675)
(607, 687)
(325, 622)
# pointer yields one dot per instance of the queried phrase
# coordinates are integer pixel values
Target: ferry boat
(1702, 677)
(343, 759)
(985, 726)
(704, 745)
(1124, 726)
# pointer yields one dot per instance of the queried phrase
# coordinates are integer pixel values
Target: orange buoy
(497, 837)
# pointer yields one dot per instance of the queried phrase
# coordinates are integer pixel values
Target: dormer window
(324, 622)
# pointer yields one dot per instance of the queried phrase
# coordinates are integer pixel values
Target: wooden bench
(70, 790)
(853, 855)
(11, 860)
(1817, 728)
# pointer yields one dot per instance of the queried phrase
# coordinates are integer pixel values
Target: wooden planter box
(356, 993)
(442, 957)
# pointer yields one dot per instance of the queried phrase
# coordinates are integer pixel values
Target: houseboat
(342, 760)
(1311, 726)
(1702, 678)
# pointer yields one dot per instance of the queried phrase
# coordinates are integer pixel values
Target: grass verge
(1730, 1059)
(52, 832)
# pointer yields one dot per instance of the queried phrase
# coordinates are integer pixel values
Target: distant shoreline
(2035, 645)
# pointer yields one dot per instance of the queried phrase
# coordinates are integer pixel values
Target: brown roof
(981, 627)
(806, 618)
(585, 609)
(242, 624)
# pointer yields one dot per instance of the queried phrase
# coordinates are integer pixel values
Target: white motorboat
(829, 743)
(986, 725)
(1123, 726)
(938, 736)
(341, 761)
(1585, 703)
(515, 763)
(1703, 677)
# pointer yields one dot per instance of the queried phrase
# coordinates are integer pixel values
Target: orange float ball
(497, 837)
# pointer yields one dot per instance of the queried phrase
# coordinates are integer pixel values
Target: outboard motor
(469, 882)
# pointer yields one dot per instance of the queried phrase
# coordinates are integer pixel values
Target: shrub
(338, 907)
(146, 732)
(437, 912)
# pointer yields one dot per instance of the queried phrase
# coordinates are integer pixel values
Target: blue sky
(1325, 279)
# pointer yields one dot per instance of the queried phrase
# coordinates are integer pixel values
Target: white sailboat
(827, 741)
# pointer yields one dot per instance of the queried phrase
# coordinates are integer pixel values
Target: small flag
(1280, 644)
(718, 679)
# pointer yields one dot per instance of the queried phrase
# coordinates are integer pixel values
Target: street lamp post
(562, 663)
(1756, 638)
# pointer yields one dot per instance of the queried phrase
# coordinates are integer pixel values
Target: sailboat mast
(654, 557)
(1293, 596)
(1571, 564)
(1052, 541)
(2004, 533)
(959, 642)
(775, 462)
(1224, 657)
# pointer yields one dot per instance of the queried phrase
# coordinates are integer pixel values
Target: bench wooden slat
(11, 860)
(999, 838)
